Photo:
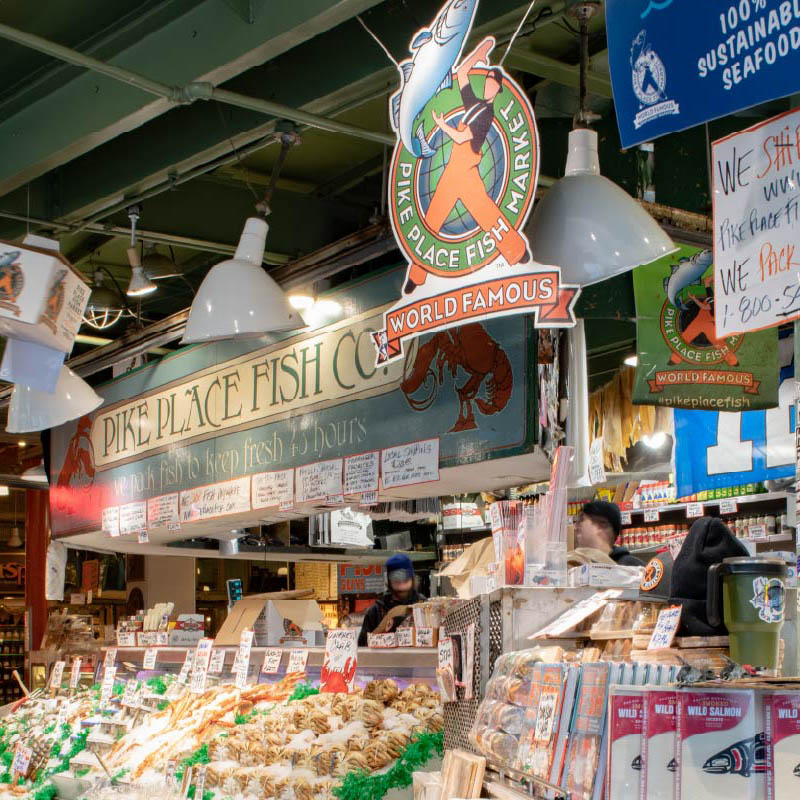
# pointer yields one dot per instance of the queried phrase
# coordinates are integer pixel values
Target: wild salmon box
(659, 762)
(782, 722)
(720, 743)
(624, 771)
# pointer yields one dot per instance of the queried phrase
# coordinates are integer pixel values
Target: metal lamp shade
(589, 226)
(237, 299)
(31, 410)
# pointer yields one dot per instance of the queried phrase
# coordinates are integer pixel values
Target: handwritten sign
(129, 696)
(666, 627)
(408, 464)
(75, 673)
(217, 662)
(298, 658)
(107, 686)
(202, 657)
(381, 641)
(22, 759)
(126, 638)
(162, 511)
(132, 517)
(57, 674)
(273, 488)
(150, 656)
(369, 498)
(199, 779)
(361, 473)
(169, 775)
(694, 510)
(241, 665)
(188, 663)
(320, 480)
(757, 532)
(217, 500)
(625, 517)
(110, 657)
(756, 226)
(424, 637)
(111, 521)
(651, 515)
(597, 470)
(729, 505)
(339, 665)
(405, 637)
(272, 660)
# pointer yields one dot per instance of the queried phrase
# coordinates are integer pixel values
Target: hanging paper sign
(350, 528)
(409, 464)
(217, 662)
(272, 489)
(107, 686)
(757, 222)
(339, 665)
(57, 674)
(694, 510)
(651, 515)
(677, 64)
(75, 673)
(320, 480)
(461, 228)
(132, 517)
(162, 511)
(681, 362)
(150, 656)
(298, 657)
(666, 628)
(361, 473)
(217, 500)
(202, 658)
(111, 521)
(272, 660)
(715, 450)
(597, 470)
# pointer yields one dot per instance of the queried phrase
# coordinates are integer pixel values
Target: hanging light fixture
(15, 540)
(105, 306)
(157, 266)
(585, 223)
(139, 284)
(237, 298)
(31, 410)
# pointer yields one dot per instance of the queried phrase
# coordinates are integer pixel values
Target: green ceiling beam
(557, 71)
(211, 42)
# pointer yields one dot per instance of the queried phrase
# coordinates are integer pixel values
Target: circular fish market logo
(649, 81)
(460, 204)
(691, 335)
(769, 599)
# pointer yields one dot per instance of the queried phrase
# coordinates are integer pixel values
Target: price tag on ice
(150, 656)
(107, 687)
(202, 657)
(272, 660)
(217, 662)
(666, 628)
(22, 759)
(75, 673)
(728, 506)
(241, 675)
(188, 663)
(57, 674)
(626, 517)
(298, 658)
(651, 515)
(111, 657)
(694, 510)
(130, 695)
(199, 779)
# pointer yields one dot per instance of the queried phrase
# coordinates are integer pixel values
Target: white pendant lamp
(31, 410)
(237, 299)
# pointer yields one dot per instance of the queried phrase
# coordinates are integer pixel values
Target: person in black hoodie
(598, 526)
(400, 576)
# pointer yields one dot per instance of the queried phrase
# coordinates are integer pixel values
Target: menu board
(132, 517)
(111, 521)
(408, 464)
(273, 488)
(319, 481)
(162, 511)
(216, 500)
(361, 473)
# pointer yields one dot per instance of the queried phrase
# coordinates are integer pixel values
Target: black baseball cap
(607, 511)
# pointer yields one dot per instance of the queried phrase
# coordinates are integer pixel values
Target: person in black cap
(598, 526)
(400, 575)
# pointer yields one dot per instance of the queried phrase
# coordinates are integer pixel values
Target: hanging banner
(681, 363)
(714, 450)
(677, 63)
(461, 186)
(757, 224)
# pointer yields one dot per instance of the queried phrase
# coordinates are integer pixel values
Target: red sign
(361, 579)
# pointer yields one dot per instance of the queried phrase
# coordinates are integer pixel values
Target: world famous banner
(681, 363)
(461, 185)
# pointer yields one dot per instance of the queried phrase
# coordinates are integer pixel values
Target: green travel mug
(749, 596)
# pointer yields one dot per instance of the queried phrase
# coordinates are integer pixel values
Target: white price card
(694, 510)
(77, 599)
(202, 657)
(107, 686)
(651, 515)
(199, 779)
(143, 537)
(757, 532)
(130, 695)
(186, 669)
(405, 637)
(133, 517)
(424, 637)
(666, 628)
(217, 500)
(22, 759)
(75, 673)
(597, 470)
(320, 480)
(162, 511)
(217, 662)
(341, 656)
(381, 641)
(111, 657)
(169, 775)
(126, 638)
(369, 498)
(728, 506)
(298, 658)
(241, 675)
(445, 653)
(271, 489)
(361, 472)
(626, 517)
(150, 656)
(173, 527)
(272, 660)
(756, 226)
(110, 521)
(409, 464)
(57, 674)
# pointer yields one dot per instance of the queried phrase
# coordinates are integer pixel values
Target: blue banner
(676, 63)
(714, 449)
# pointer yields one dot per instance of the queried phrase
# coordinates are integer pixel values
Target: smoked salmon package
(720, 742)
(659, 760)
(624, 771)
(782, 722)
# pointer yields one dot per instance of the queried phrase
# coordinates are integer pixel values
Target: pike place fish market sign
(208, 416)
(462, 182)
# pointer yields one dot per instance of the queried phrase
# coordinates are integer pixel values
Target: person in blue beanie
(400, 577)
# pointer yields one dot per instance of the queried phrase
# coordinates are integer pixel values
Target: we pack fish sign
(462, 182)
(677, 63)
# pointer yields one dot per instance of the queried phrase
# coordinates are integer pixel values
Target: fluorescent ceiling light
(139, 284)
(237, 299)
(31, 410)
(632, 361)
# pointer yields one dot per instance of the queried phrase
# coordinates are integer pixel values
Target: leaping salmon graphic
(686, 272)
(672, 766)
(636, 763)
(436, 50)
(741, 758)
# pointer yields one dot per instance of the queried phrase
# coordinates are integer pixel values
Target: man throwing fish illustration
(461, 179)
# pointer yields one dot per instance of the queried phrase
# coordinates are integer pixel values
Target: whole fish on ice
(436, 50)
(686, 272)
